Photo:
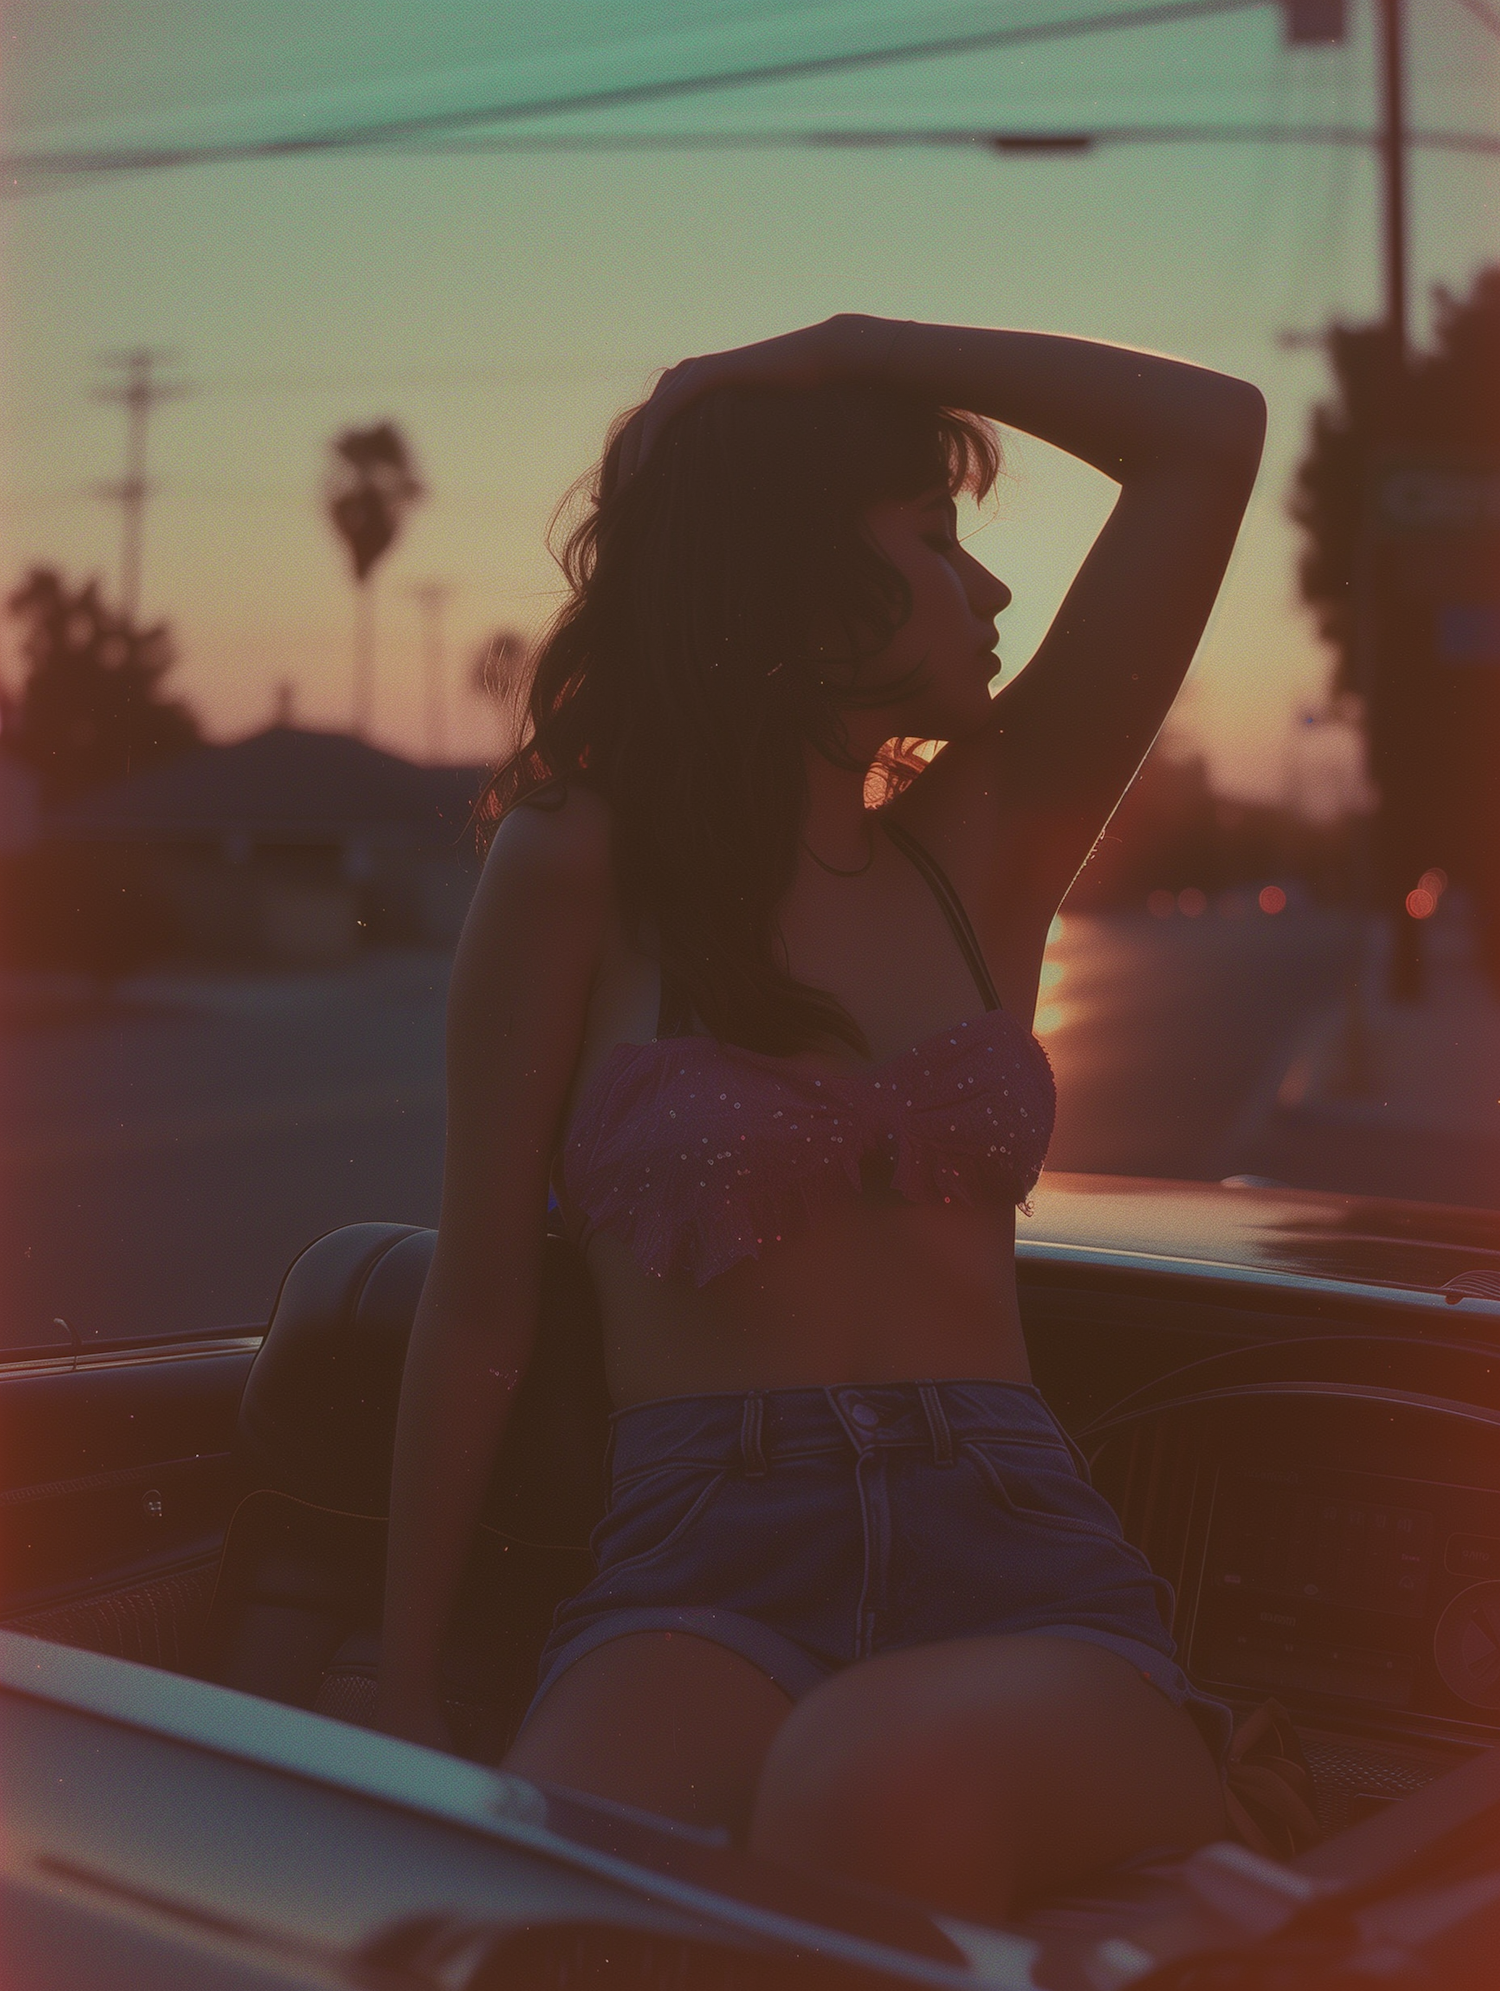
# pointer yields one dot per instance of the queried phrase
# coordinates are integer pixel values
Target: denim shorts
(806, 1529)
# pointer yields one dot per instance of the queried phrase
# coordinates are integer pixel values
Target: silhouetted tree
(371, 485)
(91, 707)
(1431, 716)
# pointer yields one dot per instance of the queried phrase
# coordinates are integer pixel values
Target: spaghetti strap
(951, 903)
(673, 1020)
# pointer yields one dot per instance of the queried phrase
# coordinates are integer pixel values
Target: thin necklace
(833, 869)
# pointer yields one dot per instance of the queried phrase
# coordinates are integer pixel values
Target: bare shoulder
(535, 932)
(518, 1005)
(548, 864)
(561, 833)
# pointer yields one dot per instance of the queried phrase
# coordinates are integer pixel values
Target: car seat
(296, 1607)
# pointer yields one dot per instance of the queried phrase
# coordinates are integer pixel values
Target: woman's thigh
(981, 1772)
(663, 1720)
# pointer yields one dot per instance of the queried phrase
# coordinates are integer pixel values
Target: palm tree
(371, 485)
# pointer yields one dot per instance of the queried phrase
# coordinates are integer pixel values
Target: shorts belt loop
(752, 1424)
(938, 1427)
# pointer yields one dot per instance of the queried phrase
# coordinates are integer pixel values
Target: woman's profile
(749, 983)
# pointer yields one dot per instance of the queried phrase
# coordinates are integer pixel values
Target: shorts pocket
(653, 1515)
(1047, 1491)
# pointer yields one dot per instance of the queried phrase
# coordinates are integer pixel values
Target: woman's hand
(810, 357)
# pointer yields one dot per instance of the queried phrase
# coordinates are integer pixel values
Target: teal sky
(503, 307)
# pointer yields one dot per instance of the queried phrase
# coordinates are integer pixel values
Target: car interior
(1319, 1480)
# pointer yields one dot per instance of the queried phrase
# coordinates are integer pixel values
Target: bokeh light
(1271, 899)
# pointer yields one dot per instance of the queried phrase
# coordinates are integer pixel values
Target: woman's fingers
(804, 358)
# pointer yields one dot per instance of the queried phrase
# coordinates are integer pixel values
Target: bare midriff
(872, 1289)
(875, 1290)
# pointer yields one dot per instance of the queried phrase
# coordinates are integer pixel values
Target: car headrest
(318, 1416)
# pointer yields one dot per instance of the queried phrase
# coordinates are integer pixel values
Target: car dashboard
(1320, 1481)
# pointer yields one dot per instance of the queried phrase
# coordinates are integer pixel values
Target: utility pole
(1405, 972)
(432, 599)
(137, 389)
(1307, 23)
(1393, 169)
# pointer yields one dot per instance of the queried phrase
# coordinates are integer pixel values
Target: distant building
(291, 845)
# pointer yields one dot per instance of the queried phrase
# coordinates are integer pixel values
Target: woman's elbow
(1238, 430)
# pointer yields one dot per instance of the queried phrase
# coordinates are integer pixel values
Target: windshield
(312, 319)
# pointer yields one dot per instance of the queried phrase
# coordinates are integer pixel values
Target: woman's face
(950, 633)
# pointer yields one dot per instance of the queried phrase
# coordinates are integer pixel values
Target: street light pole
(432, 598)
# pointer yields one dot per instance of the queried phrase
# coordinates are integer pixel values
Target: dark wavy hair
(723, 603)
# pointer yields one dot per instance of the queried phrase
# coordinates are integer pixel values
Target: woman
(856, 1600)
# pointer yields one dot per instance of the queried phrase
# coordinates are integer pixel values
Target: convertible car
(1293, 1400)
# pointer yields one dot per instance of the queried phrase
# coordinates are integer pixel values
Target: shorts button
(865, 1416)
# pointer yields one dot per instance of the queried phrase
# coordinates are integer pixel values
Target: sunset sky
(503, 306)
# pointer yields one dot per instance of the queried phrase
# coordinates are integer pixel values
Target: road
(1170, 1037)
(168, 1153)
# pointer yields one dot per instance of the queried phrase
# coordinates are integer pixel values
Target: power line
(138, 389)
(1015, 144)
(345, 381)
(1007, 144)
(394, 130)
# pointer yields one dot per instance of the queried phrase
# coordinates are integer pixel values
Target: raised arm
(1042, 777)
(516, 1016)
(1184, 445)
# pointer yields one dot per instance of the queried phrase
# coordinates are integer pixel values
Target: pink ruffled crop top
(698, 1153)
